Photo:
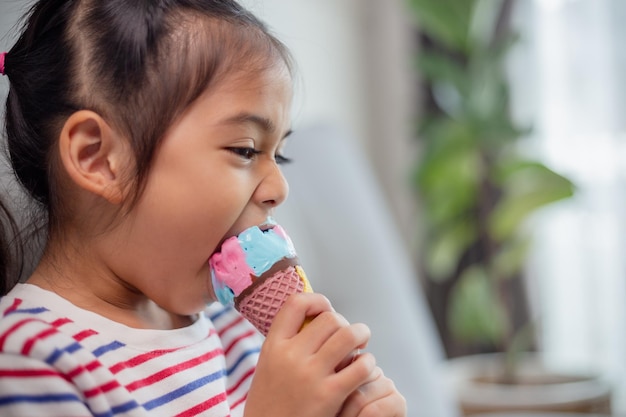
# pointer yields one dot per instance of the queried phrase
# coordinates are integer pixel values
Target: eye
(281, 160)
(245, 152)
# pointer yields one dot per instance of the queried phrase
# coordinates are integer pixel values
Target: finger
(294, 312)
(356, 374)
(364, 394)
(344, 343)
(352, 356)
(321, 328)
(377, 397)
(393, 405)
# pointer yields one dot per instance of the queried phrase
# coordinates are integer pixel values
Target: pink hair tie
(2, 56)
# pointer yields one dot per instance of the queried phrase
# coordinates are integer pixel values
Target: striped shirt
(59, 360)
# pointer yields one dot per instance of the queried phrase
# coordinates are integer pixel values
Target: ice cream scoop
(256, 271)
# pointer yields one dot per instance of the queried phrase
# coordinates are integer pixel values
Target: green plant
(475, 186)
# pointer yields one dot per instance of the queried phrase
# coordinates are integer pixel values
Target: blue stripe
(37, 310)
(105, 414)
(56, 353)
(118, 409)
(73, 347)
(43, 398)
(171, 396)
(54, 356)
(219, 313)
(107, 348)
(241, 358)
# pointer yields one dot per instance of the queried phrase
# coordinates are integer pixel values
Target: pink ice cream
(256, 271)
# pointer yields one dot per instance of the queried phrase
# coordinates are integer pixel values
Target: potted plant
(476, 186)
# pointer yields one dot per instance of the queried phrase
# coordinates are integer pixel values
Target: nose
(274, 188)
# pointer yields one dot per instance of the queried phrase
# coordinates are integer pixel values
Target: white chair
(352, 253)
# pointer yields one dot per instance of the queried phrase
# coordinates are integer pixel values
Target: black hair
(139, 64)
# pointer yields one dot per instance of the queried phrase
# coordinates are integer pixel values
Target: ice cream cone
(257, 271)
(260, 302)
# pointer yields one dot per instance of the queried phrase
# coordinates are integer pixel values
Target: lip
(265, 227)
(268, 224)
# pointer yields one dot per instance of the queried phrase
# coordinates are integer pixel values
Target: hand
(378, 397)
(296, 373)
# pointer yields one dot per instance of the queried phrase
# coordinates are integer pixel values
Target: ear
(94, 155)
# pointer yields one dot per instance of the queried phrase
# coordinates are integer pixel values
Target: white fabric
(352, 253)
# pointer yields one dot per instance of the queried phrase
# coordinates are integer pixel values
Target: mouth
(267, 225)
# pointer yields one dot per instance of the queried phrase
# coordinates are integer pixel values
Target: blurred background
(490, 136)
(565, 74)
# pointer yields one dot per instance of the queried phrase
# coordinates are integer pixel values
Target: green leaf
(446, 21)
(449, 151)
(447, 183)
(441, 133)
(440, 68)
(483, 23)
(527, 187)
(449, 171)
(445, 250)
(511, 258)
(487, 98)
(476, 314)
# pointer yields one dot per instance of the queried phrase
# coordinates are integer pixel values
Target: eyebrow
(262, 122)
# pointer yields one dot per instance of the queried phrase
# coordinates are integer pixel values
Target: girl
(147, 132)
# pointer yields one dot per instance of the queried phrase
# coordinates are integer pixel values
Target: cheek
(186, 219)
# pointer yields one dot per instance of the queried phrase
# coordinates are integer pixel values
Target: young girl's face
(214, 174)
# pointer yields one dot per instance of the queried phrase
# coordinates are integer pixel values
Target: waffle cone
(260, 303)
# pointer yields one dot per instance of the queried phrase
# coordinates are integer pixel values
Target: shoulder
(31, 345)
(22, 322)
(30, 329)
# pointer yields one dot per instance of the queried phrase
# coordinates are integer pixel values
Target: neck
(81, 278)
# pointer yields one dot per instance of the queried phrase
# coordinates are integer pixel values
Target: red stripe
(238, 339)
(138, 360)
(13, 307)
(12, 329)
(239, 401)
(241, 380)
(28, 345)
(60, 322)
(210, 403)
(95, 364)
(84, 335)
(32, 373)
(28, 373)
(154, 378)
(230, 326)
(109, 386)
